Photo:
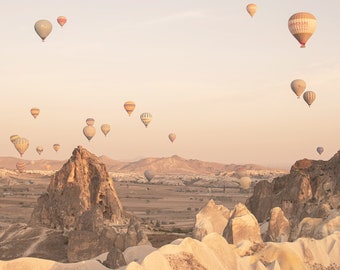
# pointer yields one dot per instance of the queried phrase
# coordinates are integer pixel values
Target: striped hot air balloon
(20, 166)
(21, 145)
(302, 25)
(129, 107)
(309, 97)
(146, 118)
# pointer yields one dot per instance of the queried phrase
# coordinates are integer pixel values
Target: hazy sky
(204, 69)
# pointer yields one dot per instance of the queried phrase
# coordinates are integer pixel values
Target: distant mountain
(165, 165)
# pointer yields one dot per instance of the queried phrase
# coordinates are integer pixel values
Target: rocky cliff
(80, 196)
(311, 190)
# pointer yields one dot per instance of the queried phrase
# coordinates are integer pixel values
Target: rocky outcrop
(312, 189)
(278, 226)
(80, 196)
(242, 226)
(211, 218)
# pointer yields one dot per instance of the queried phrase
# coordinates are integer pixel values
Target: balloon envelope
(56, 147)
(298, 86)
(89, 132)
(251, 9)
(146, 118)
(90, 121)
(309, 97)
(302, 25)
(20, 166)
(43, 28)
(105, 128)
(172, 137)
(149, 174)
(61, 20)
(245, 182)
(320, 150)
(35, 112)
(21, 144)
(39, 149)
(14, 137)
(129, 107)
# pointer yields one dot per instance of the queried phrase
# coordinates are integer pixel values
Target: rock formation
(80, 196)
(211, 218)
(312, 189)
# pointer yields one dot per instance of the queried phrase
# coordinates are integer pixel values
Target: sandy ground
(168, 208)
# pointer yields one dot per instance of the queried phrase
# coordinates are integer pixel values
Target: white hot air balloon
(89, 132)
(43, 28)
(298, 86)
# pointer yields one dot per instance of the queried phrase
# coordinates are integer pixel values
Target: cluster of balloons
(299, 86)
(44, 27)
(89, 131)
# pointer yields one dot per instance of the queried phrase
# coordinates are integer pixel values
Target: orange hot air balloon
(172, 137)
(61, 20)
(35, 112)
(251, 9)
(56, 147)
(20, 166)
(309, 97)
(302, 25)
(129, 106)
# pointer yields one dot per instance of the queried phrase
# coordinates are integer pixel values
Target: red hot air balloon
(61, 20)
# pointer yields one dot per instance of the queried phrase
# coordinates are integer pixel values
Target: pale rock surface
(211, 218)
(278, 226)
(242, 225)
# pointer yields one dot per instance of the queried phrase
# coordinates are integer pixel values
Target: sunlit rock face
(311, 189)
(80, 196)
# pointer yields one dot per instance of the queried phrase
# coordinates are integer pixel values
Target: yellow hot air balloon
(146, 118)
(149, 174)
(309, 97)
(129, 106)
(20, 166)
(21, 144)
(245, 182)
(90, 121)
(35, 112)
(251, 9)
(56, 147)
(298, 86)
(302, 25)
(39, 149)
(172, 137)
(105, 128)
(89, 132)
(14, 137)
(43, 28)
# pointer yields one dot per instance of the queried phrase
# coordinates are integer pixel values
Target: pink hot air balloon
(61, 20)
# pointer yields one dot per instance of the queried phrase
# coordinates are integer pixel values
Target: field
(169, 209)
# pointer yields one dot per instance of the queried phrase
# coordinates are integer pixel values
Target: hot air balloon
(298, 86)
(39, 149)
(56, 147)
(61, 20)
(302, 26)
(90, 121)
(43, 28)
(172, 137)
(35, 112)
(20, 166)
(309, 97)
(146, 118)
(105, 128)
(320, 150)
(129, 106)
(251, 9)
(14, 137)
(245, 182)
(21, 144)
(89, 132)
(149, 174)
